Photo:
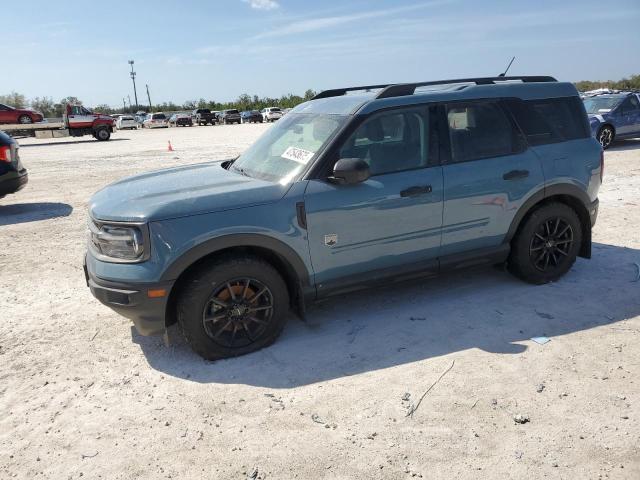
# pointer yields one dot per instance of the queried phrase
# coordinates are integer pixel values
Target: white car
(271, 114)
(155, 120)
(126, 122)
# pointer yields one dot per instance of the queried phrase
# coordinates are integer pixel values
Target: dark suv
(13, 176)
(230, 116)
(203, 116)
(357, 187)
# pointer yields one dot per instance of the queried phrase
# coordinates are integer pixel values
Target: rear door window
(480, 129)
(550, 120)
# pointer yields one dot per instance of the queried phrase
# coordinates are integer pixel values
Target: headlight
(119, 242)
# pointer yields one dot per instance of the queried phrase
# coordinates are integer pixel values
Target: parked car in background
(352, 189)
(125, 122)
(230, 116)
(155, 120)
(19, 115)
(203, 116)
(251, 116)
(613, 116)
(285, 111)
(180, 120)
(13, 175)
(271, 114)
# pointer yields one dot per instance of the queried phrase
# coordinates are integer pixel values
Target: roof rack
(402, 89)
(336, 92)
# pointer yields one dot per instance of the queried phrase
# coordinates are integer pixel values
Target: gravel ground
(82, 395)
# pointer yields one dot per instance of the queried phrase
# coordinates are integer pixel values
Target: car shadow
(32, 212)
(624, 145)
(69, 142)
(407, 322)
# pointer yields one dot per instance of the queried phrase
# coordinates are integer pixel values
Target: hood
(179, 192)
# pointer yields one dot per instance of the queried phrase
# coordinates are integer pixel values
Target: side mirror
(348, 171)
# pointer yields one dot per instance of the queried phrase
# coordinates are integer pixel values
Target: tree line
(631, 83)
(53, 109)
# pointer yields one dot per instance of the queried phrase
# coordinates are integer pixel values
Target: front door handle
(416, 190)
(516, 174)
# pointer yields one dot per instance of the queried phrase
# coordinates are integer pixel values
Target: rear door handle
(516, 174)
(416, 190)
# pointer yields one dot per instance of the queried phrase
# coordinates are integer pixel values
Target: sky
(219, 49)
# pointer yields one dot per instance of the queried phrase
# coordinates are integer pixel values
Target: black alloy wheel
(238, 312)
(551, 244)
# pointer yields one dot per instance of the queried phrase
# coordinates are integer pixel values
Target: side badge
(331, 240)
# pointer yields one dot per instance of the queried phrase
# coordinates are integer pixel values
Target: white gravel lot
(82, 395)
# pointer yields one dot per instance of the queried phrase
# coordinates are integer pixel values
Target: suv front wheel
(546, 245)
(233, 306)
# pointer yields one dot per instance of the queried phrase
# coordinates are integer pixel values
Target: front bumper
(131, 300)
(15, 182)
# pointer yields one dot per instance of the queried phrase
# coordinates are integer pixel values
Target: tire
(546, 244)
(102, 134)
(25, 119)
(605, 136)
(210, 292)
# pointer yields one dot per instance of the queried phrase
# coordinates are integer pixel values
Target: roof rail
(336, 92)
(400, 89)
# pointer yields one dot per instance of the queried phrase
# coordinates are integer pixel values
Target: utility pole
(133, 78)
(129, 97)
(149, 97)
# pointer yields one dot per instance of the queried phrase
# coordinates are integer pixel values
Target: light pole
(148, 97)
(124, 106)
(133, 78)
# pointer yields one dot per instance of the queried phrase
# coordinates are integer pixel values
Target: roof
(376, 97)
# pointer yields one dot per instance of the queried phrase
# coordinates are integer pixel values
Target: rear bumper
(131, 300)
(13, 184)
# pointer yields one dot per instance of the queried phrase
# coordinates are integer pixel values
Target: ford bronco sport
(351, 189)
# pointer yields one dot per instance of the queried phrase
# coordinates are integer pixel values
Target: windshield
(595, 104)
(158, 116)
(287, 147)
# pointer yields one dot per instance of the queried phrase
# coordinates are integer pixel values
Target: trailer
(77, 121)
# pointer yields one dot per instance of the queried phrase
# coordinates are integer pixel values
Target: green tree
(14, 99)
(46, 105)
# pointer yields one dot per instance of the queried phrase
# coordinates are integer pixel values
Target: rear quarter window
(550, 120)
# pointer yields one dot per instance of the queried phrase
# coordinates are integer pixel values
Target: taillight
(601, 165)
(5, 154)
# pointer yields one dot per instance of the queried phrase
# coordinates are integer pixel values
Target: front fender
(216, 244)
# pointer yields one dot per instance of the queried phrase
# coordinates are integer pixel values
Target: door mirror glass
(348, 171)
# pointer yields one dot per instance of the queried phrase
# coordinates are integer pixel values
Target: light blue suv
(357, 187)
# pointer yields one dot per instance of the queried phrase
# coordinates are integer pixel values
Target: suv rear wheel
(233, 306)
(547, 244)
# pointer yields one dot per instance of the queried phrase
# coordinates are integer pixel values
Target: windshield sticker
(299, 155)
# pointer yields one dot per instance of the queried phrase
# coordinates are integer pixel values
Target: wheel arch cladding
(284, 259)
(569, 195)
